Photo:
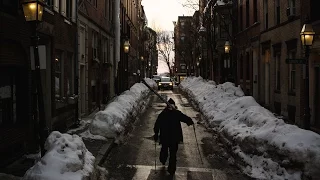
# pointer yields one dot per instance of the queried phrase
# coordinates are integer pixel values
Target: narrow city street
(135, 157)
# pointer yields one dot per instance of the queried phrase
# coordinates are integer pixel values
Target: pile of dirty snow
(66, 158)
(112, 121)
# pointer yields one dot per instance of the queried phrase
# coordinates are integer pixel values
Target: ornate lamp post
(142, 68)
(124, 76)
(126, 46)
(33, 11)
(307, 35)
(202, 32)
(227, 47)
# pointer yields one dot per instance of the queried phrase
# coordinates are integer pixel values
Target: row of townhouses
(63, 59)
(271, 48)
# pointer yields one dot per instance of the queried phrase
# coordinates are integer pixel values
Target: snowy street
(135, 157)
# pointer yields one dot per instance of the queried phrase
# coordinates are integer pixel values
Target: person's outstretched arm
(184, 118)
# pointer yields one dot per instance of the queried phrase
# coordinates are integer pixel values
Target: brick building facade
(16, 122)
(183, 45)
(265, 34)
(96, 39)
(57, 51)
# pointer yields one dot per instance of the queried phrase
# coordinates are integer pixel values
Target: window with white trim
(94, 44)
(277, 12)
(292, 72)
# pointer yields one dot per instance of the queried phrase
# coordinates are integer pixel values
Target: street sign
(295, 61)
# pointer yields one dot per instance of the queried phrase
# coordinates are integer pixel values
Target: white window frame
(292, 72)
(94, 44)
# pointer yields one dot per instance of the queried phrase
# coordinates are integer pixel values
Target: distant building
(183, 41)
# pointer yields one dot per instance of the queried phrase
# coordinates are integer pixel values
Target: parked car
(165, 83)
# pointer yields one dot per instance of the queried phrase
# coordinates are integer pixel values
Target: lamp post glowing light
(33, 9)
(307, 35)
(227, 47)
(126, 46)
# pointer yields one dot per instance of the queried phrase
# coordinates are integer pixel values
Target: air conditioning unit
(291, 11)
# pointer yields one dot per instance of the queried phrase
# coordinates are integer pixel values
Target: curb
(103, 152)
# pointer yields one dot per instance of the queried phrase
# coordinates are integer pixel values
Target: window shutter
(63, 7)
(56, 5)
(74, 11)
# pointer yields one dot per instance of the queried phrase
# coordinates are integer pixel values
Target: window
(291, 10)
(292, 3)
(241, 18)
(277, 11)
(292, 72)
(224, 29)
(241, 67)
(277, 61)
(314, 14)
(70, 75)
(265, 11)
(58, 75)
(247, 13)
(106, 8)
(69, 8)
(110, 10)
(95, 3)
(94, 44)
(105, 50)
(248, 66)
(255, 11)
(8, 114)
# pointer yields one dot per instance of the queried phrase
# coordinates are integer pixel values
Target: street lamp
(202, 32)
(227, 47)
(126, 46)
(307, 35)
(33, 11)
(227, 51)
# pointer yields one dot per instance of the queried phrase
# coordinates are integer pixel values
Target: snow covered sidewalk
(268, 147)
(67, 156)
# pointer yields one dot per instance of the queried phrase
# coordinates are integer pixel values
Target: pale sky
(161, 14)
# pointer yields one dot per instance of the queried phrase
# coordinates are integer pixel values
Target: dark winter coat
(168, 123)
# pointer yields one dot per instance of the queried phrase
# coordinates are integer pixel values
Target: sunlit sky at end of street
(162, 13)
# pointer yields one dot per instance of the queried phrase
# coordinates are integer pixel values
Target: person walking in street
(168, 123)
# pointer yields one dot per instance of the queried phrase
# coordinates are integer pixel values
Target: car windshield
(165, 79)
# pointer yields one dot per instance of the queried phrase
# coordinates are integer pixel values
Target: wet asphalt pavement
(135, 157)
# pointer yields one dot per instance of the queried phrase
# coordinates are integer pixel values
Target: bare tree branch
(190, 4)
(165, 47)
